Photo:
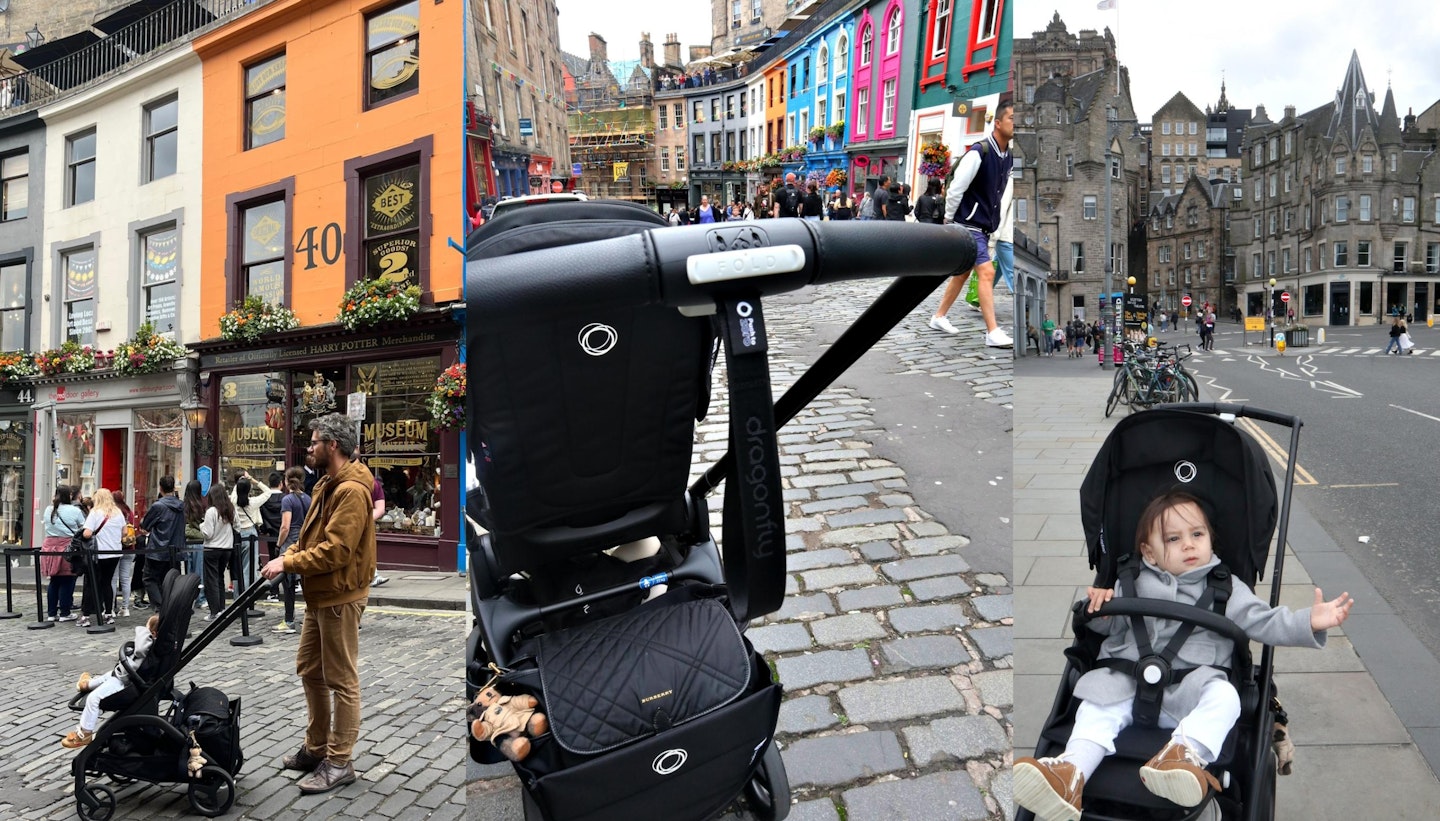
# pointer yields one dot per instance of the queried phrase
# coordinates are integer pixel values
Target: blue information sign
(575, 170)
(202, 475)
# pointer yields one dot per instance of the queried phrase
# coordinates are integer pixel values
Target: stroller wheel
(95, 803)
(213, 792)
(768, 791)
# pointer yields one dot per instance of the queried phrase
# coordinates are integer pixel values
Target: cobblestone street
(895, 652)
(408, 758)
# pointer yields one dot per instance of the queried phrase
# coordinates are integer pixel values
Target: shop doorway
(1422, 301)
(114, 447)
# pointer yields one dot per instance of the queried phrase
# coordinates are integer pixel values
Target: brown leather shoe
(1048, 787)
(302, 760)
(327, 777)
(1177, 774)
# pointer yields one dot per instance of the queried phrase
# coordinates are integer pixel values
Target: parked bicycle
(1148, 378)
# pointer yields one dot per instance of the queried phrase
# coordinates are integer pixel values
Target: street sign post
(1284, 296)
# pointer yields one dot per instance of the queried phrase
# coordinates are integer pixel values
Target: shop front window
(252, 424)
(392, 225)
(399, 443)
(75, 451)
(12, 482)
(158, 437)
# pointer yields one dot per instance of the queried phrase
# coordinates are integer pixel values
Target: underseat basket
(665, 706)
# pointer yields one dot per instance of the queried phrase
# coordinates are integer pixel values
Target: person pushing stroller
(1173, 537)
(102, 687)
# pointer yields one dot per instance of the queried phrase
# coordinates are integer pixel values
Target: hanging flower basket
(255, 317)
(836, 178)
(15, 364)
(71, 357)
(447, 401)
(934, 159)
(372, 301)
(146, 352)
(836, 130)
(817, 134)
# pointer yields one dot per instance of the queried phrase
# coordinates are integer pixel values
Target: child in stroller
(1173, 539)
(102, 687)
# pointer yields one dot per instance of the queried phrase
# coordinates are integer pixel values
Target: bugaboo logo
(1185, 471)
(597, 339)
(669, 761)
(756, 481)
(746, 312)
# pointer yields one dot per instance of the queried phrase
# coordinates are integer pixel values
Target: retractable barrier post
(247, 611)
(40, 623)
(252, 552)
(10, 611)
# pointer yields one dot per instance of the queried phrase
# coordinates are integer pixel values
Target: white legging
(1205, 727)
(100, 688)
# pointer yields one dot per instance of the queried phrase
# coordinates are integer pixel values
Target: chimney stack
(647, 50)
(672, 50)
(1289, 112)
(598, 52)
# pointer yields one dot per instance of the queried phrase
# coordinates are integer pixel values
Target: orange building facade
(333, 153)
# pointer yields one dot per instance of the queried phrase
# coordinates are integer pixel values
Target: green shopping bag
(972, 293)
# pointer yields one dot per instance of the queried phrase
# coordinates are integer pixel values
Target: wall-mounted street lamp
(33, 37)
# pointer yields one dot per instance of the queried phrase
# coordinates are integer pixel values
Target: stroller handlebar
(1247, 411)
(688, 266)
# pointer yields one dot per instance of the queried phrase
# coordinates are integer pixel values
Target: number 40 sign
(328, 247)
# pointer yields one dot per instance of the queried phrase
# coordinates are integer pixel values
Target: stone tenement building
(1339, 204)
(54, 18)
(1061, 179)
(1055, 52)
(735, 23)
(1187, 246)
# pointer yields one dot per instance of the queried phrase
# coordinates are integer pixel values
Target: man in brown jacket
(336, 555)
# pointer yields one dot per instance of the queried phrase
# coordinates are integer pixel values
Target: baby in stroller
(108, 684)
(1173, 538)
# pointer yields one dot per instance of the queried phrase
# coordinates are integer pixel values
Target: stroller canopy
(1159, 450)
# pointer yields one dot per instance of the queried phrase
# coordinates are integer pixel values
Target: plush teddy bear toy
(508, 722)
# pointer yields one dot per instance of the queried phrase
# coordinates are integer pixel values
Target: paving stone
(849, 489)
(806, 714)
(876, 473)
(994, 608)
(923, 652)
(833, 760)
(878, 551)
(810, 669)
(819, 480)
(821, 809)
(865, 517)
(833, 504)
(810, 559)
(845, 630)
(860, 535)
(839, 576)
(885, 595)
(897, 700)
(958, 738)
(933, 545)
(928, 618)
(907, 569)
(804, 607)
(994, 642)
(947, 794)
(923, 529)
(940, 587)
(779, 638)
(997, 687)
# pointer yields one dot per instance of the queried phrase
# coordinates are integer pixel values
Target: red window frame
(974, 46)
(929, 75)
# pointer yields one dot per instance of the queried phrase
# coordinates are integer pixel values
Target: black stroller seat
(592, 331)
(1200, 449)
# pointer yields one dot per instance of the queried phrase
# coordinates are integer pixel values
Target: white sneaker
(940, 323)
(998, 339)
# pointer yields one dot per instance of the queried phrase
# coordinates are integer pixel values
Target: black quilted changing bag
(663, 707)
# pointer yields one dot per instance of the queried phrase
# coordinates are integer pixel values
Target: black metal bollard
(10, 611)
(40, 623)
(252, 548)
(247, 611)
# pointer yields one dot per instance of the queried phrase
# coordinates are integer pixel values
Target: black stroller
(585, 386)
(1200, 448)
(140, 743)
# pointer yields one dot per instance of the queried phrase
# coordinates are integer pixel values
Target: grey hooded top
(1278, 626)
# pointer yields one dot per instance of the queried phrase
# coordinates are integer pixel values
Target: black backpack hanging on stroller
(585, 383)
(1201, 449)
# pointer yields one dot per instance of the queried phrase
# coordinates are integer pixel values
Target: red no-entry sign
(1284, 296)
(1185, 300)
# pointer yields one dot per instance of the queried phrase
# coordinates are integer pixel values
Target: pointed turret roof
(1389, 119)
(1224, 104)
(1354, 109)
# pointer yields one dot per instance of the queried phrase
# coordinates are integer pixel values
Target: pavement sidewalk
(1354, 751)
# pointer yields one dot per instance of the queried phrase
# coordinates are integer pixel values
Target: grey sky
(1271, 53)
(620, 22)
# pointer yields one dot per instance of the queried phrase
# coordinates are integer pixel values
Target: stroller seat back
(586, 422)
